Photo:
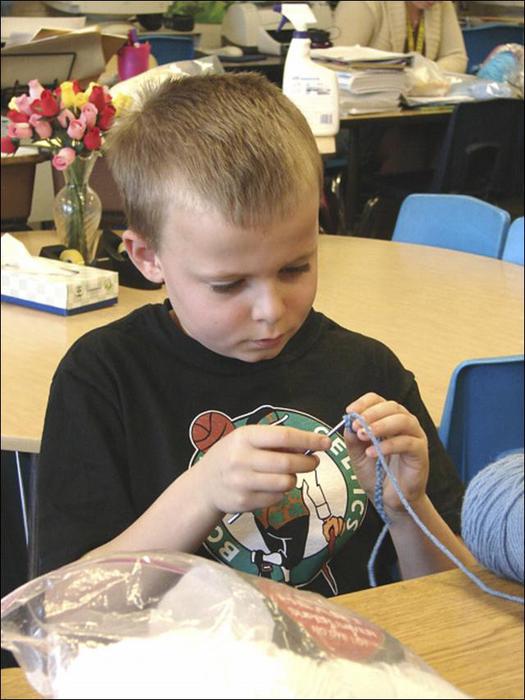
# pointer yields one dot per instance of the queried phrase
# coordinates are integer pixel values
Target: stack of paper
(362, 55)
(369, 80)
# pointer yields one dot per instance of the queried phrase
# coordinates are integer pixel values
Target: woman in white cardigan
(431, 28)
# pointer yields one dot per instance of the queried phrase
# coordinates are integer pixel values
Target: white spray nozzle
(299, 14)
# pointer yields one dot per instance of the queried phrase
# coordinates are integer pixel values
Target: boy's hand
(403, 443)
(253, 466)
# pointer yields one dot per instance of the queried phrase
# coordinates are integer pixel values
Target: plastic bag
(156, 76)
(504, 64)
(164, 625)
(425, 78)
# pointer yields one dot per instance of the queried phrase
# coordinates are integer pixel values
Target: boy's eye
(227, 287)
(296, 270)
(230, 287)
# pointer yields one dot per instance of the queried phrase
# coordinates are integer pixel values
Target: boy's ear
(143, 256)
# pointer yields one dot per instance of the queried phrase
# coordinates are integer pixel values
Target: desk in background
(353, 124)
(434, 307)
(472, 639)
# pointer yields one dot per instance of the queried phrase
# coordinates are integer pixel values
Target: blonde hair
(230, 143)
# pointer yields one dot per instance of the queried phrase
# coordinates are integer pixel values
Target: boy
(164, 424)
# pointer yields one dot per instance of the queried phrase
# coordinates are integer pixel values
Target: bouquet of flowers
(67, 125)
(65, 122)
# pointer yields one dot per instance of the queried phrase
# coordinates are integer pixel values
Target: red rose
(47, 105)
(92, 139)
(97, 97)
(106, 117)
(17, 117)
(76, 87)
(7, 145)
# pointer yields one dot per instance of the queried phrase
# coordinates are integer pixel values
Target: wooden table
(433, 307)
(472, 639)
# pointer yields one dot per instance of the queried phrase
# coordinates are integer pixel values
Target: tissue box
(60, 288)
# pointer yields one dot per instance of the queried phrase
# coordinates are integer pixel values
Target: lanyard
(420, 38)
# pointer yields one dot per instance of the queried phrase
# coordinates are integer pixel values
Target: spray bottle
(312, 88)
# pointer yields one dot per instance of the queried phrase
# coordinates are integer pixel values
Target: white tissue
(15, 255)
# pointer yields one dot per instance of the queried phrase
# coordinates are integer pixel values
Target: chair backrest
(514, 244)
(482, 152)
(455, 221)
(480, 40)
(483, 412)
(167, 48)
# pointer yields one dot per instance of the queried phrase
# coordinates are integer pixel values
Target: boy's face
(242, 293)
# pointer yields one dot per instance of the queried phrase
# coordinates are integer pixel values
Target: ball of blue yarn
(492, 517)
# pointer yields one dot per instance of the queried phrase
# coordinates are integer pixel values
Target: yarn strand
(383, 469)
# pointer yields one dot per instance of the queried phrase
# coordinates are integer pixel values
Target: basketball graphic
(208, 428)
(287, 541)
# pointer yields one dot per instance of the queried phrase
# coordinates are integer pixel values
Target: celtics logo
(293, 540)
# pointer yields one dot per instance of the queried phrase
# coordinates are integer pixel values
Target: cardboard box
(60, 288)
(59, 54)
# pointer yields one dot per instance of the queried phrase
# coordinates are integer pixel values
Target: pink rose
(23, 104)
(89, 112)
(65, 116)
(76, 129)
(63, 158)
(35, 89)
(43, 128)
(23, 131)
(11, 130)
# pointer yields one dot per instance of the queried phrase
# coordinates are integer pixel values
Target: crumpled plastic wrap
(425, 78)
(159, 625)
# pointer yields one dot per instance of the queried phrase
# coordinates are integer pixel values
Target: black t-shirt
(137, 402)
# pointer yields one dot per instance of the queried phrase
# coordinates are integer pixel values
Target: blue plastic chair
(480, 40)
(167, 48)
(483, 413)
(513, 249)
(455, 221)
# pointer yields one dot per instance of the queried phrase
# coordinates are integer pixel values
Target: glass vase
(77, 209)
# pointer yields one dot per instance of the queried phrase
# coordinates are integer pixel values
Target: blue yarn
(492, 517)
(383, 469)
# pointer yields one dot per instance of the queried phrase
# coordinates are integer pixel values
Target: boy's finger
(392, 425)
(377, 411)
(401, 444)
(277, 437)
(363, 402)
(283, 462)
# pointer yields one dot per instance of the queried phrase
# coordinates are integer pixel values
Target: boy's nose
(268, 305)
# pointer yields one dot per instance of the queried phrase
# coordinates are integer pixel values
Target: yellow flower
(80, 99)
(67, 94)
(121, 102)
(12, 104)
